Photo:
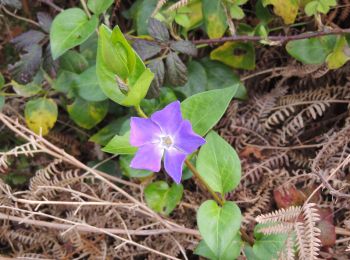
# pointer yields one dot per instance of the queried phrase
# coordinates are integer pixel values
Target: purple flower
(164, 133)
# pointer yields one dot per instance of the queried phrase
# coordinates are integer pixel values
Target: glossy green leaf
(143, 13)
(236, 12)
(120, 144)
(2, 102)
(2, 81)
(103, 136)
(162, 198)
(88, 87)
(197, 79)
(121, 73)
(124, 161)
(70, 28)
(190, 16)
(214, 18)
(219, 164)
(287, 9)
(339, 56)
(205, 109)
(65, 82)
(73, 61)
(268, 246)
(41, 115)
(87, 114)
(219, 227)
(99, 6)
(232, 252)
(27, 90)
(235, 54)
(319, 6)
(313, 50)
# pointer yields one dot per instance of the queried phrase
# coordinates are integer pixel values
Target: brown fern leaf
(311, 232)
(281, 215)
(178, 5)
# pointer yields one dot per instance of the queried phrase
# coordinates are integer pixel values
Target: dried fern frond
(311, 232)
(178, 5)
(280, 215)
(277, 228)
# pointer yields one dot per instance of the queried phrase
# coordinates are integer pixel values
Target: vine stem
(86, 9)
(190, 167)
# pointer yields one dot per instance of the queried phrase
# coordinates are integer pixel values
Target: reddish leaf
(288, 196)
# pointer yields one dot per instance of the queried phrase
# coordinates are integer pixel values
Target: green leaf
(214, 18)
(88, 87)
(73, 61)
(167, 95)
(219, 227)
(219, 164)
(311, 51)
(235, 54)
(232, 251)
(99, 6)
(221, 76)
(69, 29)
(176, 69)
(27, 90)
(287, 9)
(121, 73)
(103, 136)
(65, 82)
(339, 56)
(319, 6)
(311, 8)
(202, 115)
(143, 13)
(2, 102)
(87, 114)
(268, 246)
(236, 12)
(41, 115)
(197, 79)
(162, 198)
(120, 145)
(124, 161)
(2, 81)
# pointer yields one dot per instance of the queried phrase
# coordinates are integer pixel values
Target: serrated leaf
(73, 61)
(28, 65)
(219, 226)
(214, 18)
(157, 67)
(45, 21)
(87, 114)
(27, 90)
(158, 30)
(202, 116)
(146, 49)
(88, 87)
(287, 9)
(99, 6)
(235, 54)
(185, 47)
(120, 144)
(162, 198)
(69, 29)
(17, 4)
(176, 70)
(28, 39)
(41, 115)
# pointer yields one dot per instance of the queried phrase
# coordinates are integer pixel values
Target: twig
(50, 3)
(281, 39)
(19, 17)
(86, 9)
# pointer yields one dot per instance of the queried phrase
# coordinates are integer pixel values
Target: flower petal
(169, 118)
(186, 140)
(143, 131)
(148, 157)
(173, 162)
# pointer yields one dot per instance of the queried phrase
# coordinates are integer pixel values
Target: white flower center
(166, 142)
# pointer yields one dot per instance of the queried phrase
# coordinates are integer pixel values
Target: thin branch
(280, 39)
(19, 17)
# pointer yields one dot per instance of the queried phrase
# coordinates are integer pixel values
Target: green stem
(190, 166)
(85, 8)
